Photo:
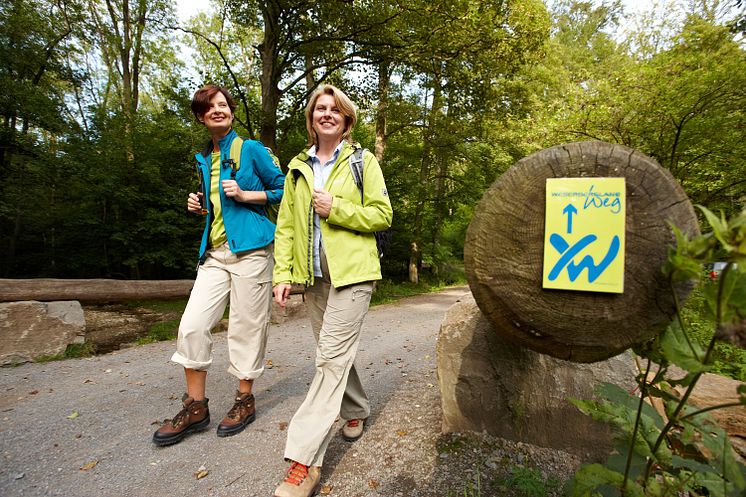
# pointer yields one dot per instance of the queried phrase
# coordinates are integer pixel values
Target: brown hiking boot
(241, 414)
(300, 481)
(194, 417)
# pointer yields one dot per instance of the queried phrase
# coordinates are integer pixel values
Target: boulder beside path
(488, 383)
(30, 329)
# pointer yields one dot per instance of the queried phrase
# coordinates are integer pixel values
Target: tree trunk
(310, 75)
(128, 38)
(384, 68)
(415, 253)
(271, 73)
(503, 255)
(440, 202)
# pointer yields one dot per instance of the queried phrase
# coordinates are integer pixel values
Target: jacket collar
(224, 144)
(227, 139)
(344, 154)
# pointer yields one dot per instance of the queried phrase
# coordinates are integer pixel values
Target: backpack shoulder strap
(356, 167)
(234, 155)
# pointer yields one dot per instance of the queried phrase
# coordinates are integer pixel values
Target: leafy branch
(685, 453)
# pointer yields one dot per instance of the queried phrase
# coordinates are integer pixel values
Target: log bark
(93, 291)
(503, 255)
(97, 291)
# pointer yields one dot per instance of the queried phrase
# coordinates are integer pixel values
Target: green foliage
(159, 305)
(388, 291)
(685, 451)
(698, 318)
(96, 161)
(160, 332)
(668, 89)
(528, 482)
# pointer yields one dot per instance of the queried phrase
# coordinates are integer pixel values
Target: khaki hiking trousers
(244, 280)
(336, 319)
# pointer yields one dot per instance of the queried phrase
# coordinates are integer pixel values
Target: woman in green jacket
(325, 240)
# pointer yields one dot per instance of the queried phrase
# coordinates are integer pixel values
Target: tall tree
(35, 39)
(460, 57)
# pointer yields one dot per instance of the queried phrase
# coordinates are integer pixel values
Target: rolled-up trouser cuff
(248, 375)
(189, 364)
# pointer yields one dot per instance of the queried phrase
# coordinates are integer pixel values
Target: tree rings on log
(504, 248)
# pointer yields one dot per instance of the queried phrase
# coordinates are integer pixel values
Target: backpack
(268, 210)
(383, 238)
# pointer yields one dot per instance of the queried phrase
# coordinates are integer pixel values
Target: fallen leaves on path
(201, 473)
(325, 490)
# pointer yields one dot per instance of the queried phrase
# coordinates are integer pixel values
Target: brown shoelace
(233, 413)
(180, 417)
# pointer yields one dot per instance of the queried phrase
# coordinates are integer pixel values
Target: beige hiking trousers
(336, 319)
(245, 280)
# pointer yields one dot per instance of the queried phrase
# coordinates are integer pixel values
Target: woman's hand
(281, 292)
(232, 190)
(193, 202)
(322, 203)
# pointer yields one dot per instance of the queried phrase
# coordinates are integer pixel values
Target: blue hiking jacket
(246, 225)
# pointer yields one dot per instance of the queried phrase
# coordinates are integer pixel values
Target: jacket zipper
(310, 244)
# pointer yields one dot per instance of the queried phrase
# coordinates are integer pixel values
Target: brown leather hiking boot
(241, 414)
(194, 417)
(300, 481)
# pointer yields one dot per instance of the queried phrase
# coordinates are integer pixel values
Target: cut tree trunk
(504, 247)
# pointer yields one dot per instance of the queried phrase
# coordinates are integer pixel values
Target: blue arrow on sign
(569, 210)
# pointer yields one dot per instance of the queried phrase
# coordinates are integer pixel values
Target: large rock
(488, 383)
(30, 329)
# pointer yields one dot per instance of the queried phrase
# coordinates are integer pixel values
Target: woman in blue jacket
(237, 179)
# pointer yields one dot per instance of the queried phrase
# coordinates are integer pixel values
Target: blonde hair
(343, 103)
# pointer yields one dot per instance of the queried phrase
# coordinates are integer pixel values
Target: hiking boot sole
(352, 439)
(235, 430)
(315, 490)
(178, 437)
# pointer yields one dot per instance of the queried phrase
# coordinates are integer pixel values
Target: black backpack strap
(356, 167)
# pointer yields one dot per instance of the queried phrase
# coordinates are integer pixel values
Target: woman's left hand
(322, 203)
(231, 189)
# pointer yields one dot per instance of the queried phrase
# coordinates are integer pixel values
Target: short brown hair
(343, 103)
(201, 100)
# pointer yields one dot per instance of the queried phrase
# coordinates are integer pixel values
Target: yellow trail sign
(584, 234)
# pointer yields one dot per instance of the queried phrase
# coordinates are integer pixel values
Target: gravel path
(83, 427)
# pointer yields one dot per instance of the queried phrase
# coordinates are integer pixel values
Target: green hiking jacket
(348, 237)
